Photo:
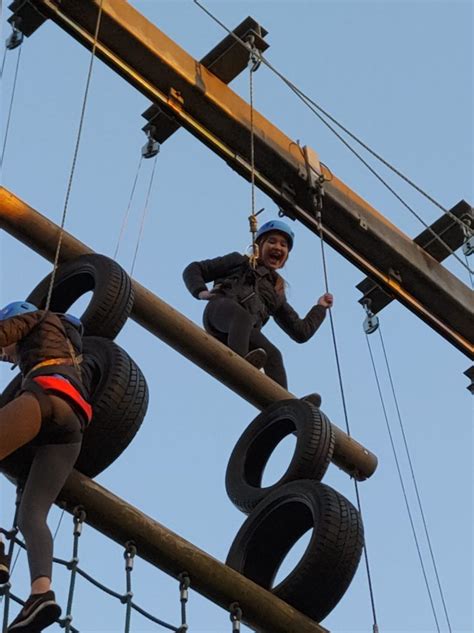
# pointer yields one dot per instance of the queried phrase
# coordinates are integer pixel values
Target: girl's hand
(326, 300)
(205, 295)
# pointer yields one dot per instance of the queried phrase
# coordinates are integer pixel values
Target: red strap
(63, 386)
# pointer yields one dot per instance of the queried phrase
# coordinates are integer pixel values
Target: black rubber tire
(112, 298)
(313, 450)
(119, 397)
(327, 567)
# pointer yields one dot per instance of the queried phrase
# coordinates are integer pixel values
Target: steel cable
(309, 102)
(415, 485)
(144, 214)
(10, 110)
(127, 212)
(402, 484)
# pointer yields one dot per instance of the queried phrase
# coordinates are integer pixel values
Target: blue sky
(399, 75)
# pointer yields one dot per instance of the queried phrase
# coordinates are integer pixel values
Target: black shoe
(4, 566)
(313, 398)
(257, 357)
(38, 612)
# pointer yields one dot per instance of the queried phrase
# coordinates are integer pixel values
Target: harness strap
(62, 387)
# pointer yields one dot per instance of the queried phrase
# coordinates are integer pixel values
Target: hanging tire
(119, 398)
(330, 561)
(313, 450)
(112, 297)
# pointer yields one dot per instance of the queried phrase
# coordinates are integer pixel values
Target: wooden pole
(40, 234)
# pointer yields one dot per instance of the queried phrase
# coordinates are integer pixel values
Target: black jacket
(234, 277)
(42, 336)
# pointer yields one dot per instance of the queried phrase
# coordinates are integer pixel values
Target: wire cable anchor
(371, 322)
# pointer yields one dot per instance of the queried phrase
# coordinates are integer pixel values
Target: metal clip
(129, 555)
(255, 58)
(235, 616)
(371, 322)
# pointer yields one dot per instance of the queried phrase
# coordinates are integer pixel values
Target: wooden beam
(199, 101)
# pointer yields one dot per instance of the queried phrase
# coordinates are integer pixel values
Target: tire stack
(278, 515)
(117, 387)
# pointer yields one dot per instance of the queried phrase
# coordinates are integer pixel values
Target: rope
(309, 102)
(144, 214)
(415, 485)
(127, 212)
(74, 160)
(344, 405)
(10, 109)
(400, 476)
(254, 64)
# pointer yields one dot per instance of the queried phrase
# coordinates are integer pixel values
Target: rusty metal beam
(450, 232)
(149, 60)
(41, 235)
(226, 60)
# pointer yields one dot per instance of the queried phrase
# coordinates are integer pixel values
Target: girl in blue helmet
(49, 413)
(243, 298)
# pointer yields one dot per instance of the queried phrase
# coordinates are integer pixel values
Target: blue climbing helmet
(16, 308)
(281, 227)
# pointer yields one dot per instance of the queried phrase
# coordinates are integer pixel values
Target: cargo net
(79, 516)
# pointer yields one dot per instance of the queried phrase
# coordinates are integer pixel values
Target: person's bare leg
(20, 422)
(41, 585)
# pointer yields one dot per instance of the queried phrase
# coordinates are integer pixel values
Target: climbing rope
(314, 107)
(412, 471)
(74, 160)
(318, 208)
(130, 551)
(254, 63)
(10, 108)
(402, 484)
(144, 214)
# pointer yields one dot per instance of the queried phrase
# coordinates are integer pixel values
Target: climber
(49, 411)
(243, 298)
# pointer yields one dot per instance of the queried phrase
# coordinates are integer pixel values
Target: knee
(273, 354)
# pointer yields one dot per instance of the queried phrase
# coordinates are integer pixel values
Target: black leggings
(230, 323)
(51, 466)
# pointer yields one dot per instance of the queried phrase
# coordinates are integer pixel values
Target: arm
(198, 274)
(300, 330)
(14, 329)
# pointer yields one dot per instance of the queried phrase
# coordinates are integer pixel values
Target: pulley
(151, 147)
(15, 39)
(371, 321)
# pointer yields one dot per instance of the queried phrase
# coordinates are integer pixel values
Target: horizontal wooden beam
(40, 234)
(199, 101)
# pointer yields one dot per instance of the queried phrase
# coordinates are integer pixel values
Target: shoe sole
(46, 614)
